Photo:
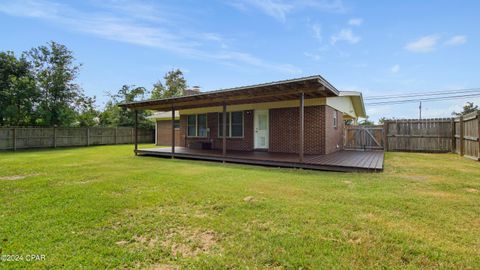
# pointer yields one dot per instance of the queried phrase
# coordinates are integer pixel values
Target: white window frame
(196, 125)
(229, 125)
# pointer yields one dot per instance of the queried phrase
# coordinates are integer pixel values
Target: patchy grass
(102, 207)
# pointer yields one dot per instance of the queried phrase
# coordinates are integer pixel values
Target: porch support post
(173, 132)
(135, 139)
(224, 130)
(302, 126)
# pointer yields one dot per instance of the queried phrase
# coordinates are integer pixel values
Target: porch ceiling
(312, 87)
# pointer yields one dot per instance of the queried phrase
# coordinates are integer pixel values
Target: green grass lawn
(102, 207)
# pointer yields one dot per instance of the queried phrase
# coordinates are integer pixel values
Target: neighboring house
(263, 117)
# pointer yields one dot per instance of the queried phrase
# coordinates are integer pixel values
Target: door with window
(261, 129)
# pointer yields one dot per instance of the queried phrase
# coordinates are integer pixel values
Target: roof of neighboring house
(312, 86)
(163, 115)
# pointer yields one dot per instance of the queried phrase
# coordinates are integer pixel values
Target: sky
(376, 47)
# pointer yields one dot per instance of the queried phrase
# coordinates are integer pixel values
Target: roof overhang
(164, 116)
(357, 102)
(312, 87)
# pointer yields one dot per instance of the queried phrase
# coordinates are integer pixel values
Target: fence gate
(364, 137)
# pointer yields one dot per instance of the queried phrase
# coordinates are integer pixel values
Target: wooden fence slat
(462, 143)
(14, 138)
(478, 134)
(14, 135)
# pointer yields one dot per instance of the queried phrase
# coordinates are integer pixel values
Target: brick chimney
(192, 91)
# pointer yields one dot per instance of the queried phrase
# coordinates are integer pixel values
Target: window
(197, 125)
(234, 125)
(176, 123)
(335, 120)
(202, 125)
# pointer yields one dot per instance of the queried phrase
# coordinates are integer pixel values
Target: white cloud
(355, 21)
(279, 9)
(423, 44)
(140, 30)
(456, 40)
(317, 31)
(395, 68)
(345, 35)
(276, 9)
(313, 56)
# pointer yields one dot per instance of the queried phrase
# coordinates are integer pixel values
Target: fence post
(385, 135)
(115, 135)
(452, 123)
(14, 135)
(478, 134)
(462, 143)
(54, 137)
(88, 136)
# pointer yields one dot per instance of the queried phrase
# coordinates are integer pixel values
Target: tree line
(38, 88)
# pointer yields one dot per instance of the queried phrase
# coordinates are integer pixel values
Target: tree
(366, 122)
(175, 85)
(54, 71)
(87, 114)
(382, 120)
(116, 116)
(18, 93)
(469, 107)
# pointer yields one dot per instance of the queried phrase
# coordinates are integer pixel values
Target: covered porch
(296, 94)
(343, 161)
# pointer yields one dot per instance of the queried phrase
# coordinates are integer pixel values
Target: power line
(431, 93)
(422, 99)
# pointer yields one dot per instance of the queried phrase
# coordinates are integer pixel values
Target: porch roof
(312, 86)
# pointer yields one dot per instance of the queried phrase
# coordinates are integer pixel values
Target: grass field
(102, 207)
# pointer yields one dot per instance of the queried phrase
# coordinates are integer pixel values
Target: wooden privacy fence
(363, 137)
(460, 135)
(419, 135)
(466, 140)
(14, 138)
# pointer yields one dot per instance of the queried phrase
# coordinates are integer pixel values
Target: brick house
(303, 116)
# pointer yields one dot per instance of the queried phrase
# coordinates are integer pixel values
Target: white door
(261, 129)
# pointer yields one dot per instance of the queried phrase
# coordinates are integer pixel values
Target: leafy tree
(382, 120)
(116, 116)
(469, 107)
(18, 93)
(366, 122)
(54, 71)
(87, 115)
(174, 86)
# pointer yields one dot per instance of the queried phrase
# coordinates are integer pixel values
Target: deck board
(344, 160)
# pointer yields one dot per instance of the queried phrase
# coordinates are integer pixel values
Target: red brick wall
(241, 144)
(320, 136)
(334, 136)
(164, 134)
(284, 130)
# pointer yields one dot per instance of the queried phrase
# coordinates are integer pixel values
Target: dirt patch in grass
(414, 177)
(249, 199)
(438, 194)
(16, 177)
(471, 190)
(164, 267)
(190, 243)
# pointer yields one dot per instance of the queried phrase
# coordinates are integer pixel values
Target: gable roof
(311, 86)
(357, 102)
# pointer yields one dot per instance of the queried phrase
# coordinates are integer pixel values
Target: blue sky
(377, 47)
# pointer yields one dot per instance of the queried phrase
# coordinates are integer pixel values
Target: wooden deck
(344, 161)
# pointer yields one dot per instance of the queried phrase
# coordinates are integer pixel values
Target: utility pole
(420, 110)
